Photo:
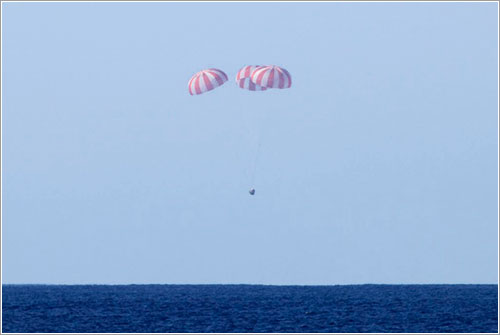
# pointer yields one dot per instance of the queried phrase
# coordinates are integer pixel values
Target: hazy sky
(378, 165)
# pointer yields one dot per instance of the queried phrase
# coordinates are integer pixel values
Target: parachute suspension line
(257, 154)
(260, 135)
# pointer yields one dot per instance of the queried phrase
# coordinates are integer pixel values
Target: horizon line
(229, 284)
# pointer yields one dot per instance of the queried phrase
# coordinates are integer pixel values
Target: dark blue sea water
(250, 308)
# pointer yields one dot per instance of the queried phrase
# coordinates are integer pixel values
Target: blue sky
(378, 165)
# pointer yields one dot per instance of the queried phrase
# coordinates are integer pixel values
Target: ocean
(249, 308)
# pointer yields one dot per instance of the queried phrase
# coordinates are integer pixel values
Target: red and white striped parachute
(206, 80)
(271, 76)
(243, 78)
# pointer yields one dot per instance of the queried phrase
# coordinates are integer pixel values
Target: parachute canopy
(271, 76)
(206, 80)
(243, 78)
